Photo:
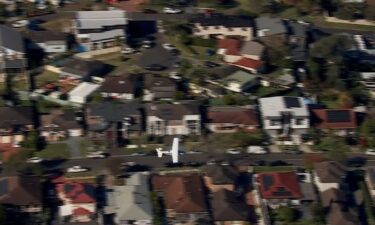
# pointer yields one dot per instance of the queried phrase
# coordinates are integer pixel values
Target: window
(299, 121)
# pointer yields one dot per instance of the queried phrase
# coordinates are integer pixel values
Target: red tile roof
(81, 211)
(233, 115)
(77, 192)
(334, 118)
(232, 46)
(249, 63)
(282, 185)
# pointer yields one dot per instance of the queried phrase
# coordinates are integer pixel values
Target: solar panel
(292, 102)
(338, 116)
(267, 181)
(3, 187)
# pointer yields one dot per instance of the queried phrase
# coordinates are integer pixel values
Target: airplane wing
(174, 150)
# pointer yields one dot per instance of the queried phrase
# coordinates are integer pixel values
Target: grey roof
(227, 206)
(275, 106)
(298, 41)
(132, 201)
(270, 26)
(99, 19)
(15, 63)
(308, 192)
(81, 67)
(240, 77)
(252, 48)
(222, 174)
(45, 36)
(172, 111)
(11, 39)
(114, 112)
(107, 34)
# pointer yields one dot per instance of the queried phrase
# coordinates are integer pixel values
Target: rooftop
(240, 77)
(172, 111)
(227, 206)
(233, 115)
(281, 185)
(335, 118)
(270, 26)
(330, 171)
(275, 106)
(223, 20)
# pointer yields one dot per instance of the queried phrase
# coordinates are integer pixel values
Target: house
(230, 119)
(370, 181)
(120, 87)
(15, 123)
(328, 174)
(114, 121)
(173, 119)
(298, 41)
(279, 188)
(158, 88)
(100, 29)
(282, 115)
(223, 26)
(12, 54)
(270, 27)
(229, 208)
(48, 41)
(184, 198)
(341, 121)
(240, 81)
(78, 201)
(82, 69)
(252, 65)
(130, 203)
(229, 48)
(332, 196)
(342, 215)
(82, 92)
(24, 193)
(252, 50)
(219, 177)
(59, 124)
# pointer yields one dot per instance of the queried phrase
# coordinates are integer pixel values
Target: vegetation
(157, 209)
(54, 151)
(335, 147)
(368, 131)
(367, 200)
(286, 214)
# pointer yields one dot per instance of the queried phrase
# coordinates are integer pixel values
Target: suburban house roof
(64, 119)
(159, 83)
(240, 77)
(298, 40)
(12, 116)
(114, 112)
(84, 89)
(270, 26)
(248, 63)
(222, 174)
(81, 211)
(182, 193)
(331, 196)
(82, 67)
(119, 84)
(21, 190)
(233, 115)
(231, 46)
(77, 193)
(46, 36)
(281, 185)
(330, 171)
(99, 19)
(166, 111)
(340, 216)
(227, 206)
(223, 20)
(252, 48)
(334, 118)
(132, 201)
(11, 39)
(275, 106)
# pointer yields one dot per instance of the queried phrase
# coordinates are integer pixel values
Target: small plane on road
(173, 152)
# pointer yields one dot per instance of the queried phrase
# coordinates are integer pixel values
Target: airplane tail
(159, 152)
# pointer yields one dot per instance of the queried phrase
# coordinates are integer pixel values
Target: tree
(32, 140)
(368, 131)
(317, 212)
(229, 99)
(334, 146)
(157, 209)
(349, 11)
(286, 214)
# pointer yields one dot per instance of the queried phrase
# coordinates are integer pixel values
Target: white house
(240, 81)
(99, 29)
(81, 93)
(328, 174)
(282, 115)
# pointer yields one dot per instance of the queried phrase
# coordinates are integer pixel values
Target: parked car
(169, 10)
(211, 64)
(138, 154)
(175, 75)
(35, 160)
(76, 169)
(20, 23)
(370, 152)
(279, 163)
(97, 155)
(127, 51)
(254, 149)
(147, 44)
(233, 151)
(154, 67)
(168, 46)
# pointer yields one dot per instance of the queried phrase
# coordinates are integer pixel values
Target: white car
(169, 47)
(256, 150)
(175, 75)
(96, 155)
(370, 152)
(20, 23)
(147, 44)
(171, 10)
(76, 169)
(35, 160)
(128, 51)
(233, 151)
(41, 6)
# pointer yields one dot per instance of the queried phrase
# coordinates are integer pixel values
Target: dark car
(154, 67)
(279, 163)
(171, 164)
(149, 11)
(211, 64)
(356, 161)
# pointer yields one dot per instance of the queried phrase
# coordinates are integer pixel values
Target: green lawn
(319, 21)
(54, 151)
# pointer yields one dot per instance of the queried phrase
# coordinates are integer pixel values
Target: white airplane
(173, 152)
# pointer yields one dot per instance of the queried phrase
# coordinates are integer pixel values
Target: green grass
(263, 169)
(319, 21)
(54, 151)
(46, 76)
